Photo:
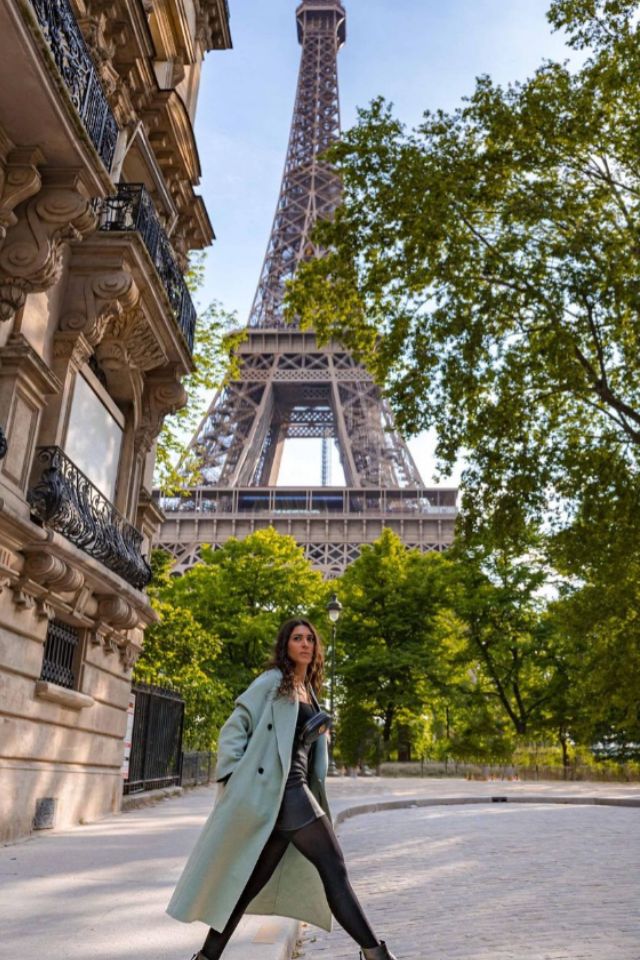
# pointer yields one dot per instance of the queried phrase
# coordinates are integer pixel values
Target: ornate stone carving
(19, 180)
(129, 653)
(117, 612)
(8, 572)
(31, 257)
(102, 635)
(130, 342)
(22, 598)
(161, 398)
(95, 31)
(44, 610)
(51, 571)
(74, 348)
(93, 300)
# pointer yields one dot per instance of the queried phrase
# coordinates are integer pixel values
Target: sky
(419, 54)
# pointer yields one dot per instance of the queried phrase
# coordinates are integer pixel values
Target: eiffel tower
(289, 387)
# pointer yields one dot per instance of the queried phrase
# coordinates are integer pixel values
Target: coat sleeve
(232, 741)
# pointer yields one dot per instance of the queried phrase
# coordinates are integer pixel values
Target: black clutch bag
(315, 727)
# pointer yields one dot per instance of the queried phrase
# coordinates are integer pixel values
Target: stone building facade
(98, 212)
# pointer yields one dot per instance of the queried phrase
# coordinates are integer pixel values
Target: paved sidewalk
(493, 882)
(98, 892)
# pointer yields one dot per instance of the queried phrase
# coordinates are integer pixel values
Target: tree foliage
(514, 654)
(180, 653)
(394, 637)
(486, 267)
(242, 592)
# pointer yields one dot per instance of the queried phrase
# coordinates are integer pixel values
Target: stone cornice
(168, 115)
(214, 20)
(18, 358)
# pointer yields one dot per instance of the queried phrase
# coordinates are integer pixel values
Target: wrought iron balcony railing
(78, 71)
(132, 209)
(66, 501)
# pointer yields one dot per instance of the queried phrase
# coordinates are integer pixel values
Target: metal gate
(156, 745)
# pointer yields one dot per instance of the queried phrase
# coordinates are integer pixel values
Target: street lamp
(334, 609)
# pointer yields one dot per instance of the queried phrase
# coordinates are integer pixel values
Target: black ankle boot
(381, 952)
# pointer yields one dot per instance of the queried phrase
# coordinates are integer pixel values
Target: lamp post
(334, 609)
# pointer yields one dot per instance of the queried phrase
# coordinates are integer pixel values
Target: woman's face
(301, 646)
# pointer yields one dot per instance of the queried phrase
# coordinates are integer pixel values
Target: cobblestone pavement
(98, 892)
(493, 882)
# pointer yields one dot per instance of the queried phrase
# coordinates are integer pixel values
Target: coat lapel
(285, 712)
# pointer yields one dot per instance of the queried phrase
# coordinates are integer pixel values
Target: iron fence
(73, 60)
(196, 767)
(156, 743)
(132, 209)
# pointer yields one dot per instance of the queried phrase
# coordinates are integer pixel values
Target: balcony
(73, 60)
(66, 501)
(132, 209)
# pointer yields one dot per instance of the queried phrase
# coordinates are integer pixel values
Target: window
(94, 434)
(61, 648)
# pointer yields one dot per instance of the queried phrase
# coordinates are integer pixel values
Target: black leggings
(318, 843)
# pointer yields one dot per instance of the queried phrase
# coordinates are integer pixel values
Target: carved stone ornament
(161, 399)
(19, 180)
(117, 612)
(74, 348)
(130, 342)
(8, 571)
(31, 256)
(22, 598)
(92, 301)
(52, 572)
(129, 653)
(44, 610)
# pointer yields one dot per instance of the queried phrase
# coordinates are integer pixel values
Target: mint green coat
(255, 744)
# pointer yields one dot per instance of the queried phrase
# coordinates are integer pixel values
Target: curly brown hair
(280, 658)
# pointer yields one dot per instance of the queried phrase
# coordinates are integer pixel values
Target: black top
(299, 770)
(299, 806)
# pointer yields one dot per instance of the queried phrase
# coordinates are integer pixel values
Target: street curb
(134, 801)
(363, 808)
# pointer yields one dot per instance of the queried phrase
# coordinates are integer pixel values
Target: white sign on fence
(131, 709)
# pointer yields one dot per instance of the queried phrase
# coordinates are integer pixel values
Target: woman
(268, 846)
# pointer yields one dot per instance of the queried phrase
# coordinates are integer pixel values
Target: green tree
(601, 654)
(394, 634)
(486, 267)
(242, 592)
(515, 669)
(179, 653)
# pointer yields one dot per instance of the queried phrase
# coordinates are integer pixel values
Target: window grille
(58, 665)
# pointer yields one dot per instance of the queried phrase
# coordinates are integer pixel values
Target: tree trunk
(562, 736)
(386, 733)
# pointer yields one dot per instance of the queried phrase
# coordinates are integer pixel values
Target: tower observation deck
(288, 386)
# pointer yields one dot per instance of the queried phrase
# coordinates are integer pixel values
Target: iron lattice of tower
(288, 386)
